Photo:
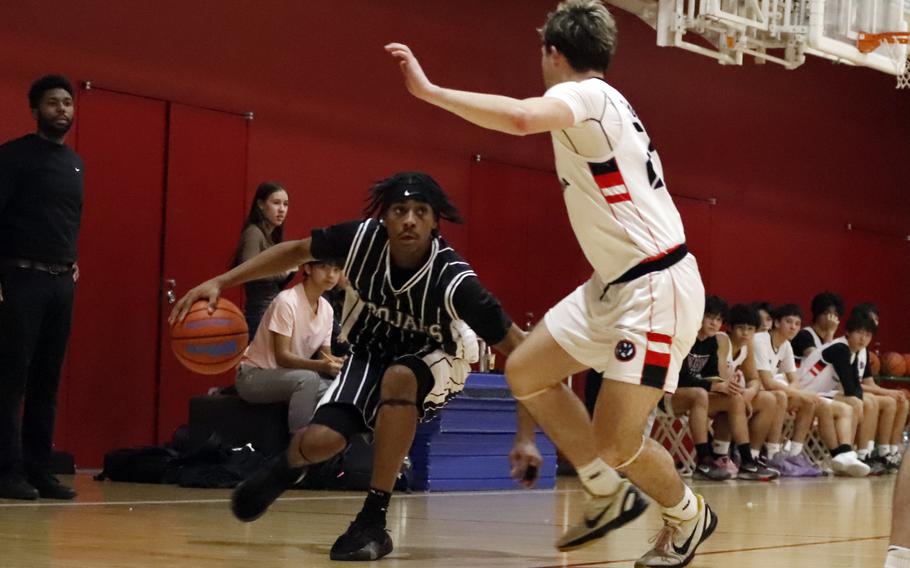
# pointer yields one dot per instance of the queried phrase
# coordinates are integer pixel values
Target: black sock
(704, 452)
(376, 505)
(843, 448)
(745, 454)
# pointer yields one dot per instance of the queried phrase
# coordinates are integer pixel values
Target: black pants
(35, 318)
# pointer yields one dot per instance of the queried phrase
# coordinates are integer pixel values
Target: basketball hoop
(892, 41)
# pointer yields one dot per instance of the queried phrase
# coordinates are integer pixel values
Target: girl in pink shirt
(289, 359)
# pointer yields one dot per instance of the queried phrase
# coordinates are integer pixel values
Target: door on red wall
(206, 182)
(108, 399)
(164, 200)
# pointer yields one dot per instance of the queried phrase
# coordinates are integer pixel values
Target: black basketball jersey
(701, 362)
(394, 312)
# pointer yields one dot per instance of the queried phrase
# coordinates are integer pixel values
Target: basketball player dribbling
(637, 316)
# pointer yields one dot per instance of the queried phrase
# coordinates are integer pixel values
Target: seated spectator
(281, 363)
(764, 315)
(777, 371)
(833, 373)
(768, 408)
(706, 390)
(891, 437)
(827, 309)
(264, 228)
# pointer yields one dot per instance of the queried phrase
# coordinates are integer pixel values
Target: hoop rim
(869, 42)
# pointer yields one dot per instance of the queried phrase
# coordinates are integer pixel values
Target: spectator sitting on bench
(281, 363)
(765, 322)
(777, 371)
(706, 390)
(833, 373)
(827, 309)
(769, 408)
(890, 436)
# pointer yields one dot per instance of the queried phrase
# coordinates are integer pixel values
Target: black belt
(649, 266)
(35, 265)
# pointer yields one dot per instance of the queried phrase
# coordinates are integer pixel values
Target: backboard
(779, 31)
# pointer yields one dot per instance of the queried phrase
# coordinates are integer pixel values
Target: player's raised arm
(495, 112)
(278, 259)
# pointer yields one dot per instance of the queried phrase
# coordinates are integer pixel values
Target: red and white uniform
(637, 331)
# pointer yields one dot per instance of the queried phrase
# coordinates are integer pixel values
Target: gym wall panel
(791, 156)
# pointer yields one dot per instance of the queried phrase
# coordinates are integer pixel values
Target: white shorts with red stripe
(636, 332)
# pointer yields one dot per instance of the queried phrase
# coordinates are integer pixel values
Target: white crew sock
(796, 448)
(898, 557)
(773, 449)
(755, 453)
(599, 478)
(721, 448)
(686, 509)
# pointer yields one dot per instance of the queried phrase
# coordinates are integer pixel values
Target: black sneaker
(756, 472)
(254, 495)
(363, 541)
(49, 487)
(14, 486)
(876, 465)
(707, 469)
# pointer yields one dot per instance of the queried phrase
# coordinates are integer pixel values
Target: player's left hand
(525, 460)
(414, 78)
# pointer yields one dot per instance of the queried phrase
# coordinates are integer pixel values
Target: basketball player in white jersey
(637, 316)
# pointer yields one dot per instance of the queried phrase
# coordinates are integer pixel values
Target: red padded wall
(791, 156)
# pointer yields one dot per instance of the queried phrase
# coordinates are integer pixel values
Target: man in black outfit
(41, 189)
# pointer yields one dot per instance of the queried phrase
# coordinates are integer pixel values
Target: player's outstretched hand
(208, 290)
(525, 461)
(414, 78)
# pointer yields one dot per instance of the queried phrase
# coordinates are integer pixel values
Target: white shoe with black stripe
(604, 514)
(675, 544)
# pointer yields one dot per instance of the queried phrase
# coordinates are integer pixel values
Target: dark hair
(786, 310)
(584, 32)
(716, 306)
(743, 314)
(255, 216)
(865, 308)
(824, 301)
(403, 186)
(860, 321)
(761, 305)
(44, 84)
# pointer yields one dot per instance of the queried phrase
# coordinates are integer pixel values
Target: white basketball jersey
(614, 188)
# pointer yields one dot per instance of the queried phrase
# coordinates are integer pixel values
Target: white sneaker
(848, 463)
(675, 544)
(604, 514)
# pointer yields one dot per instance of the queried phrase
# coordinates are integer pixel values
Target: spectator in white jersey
(827, 309)
(777, 371)
(890, 437)
(411, 311)
(833, 372)
(769, 408)
(637, 316)
(707, 389)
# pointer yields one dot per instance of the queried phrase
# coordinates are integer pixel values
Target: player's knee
(869, 405)
(399, 382)
(780, 399)
(886, 403)
(523, 382)
(622, 453)
(318, 442)
(824, 411)
(699, 398)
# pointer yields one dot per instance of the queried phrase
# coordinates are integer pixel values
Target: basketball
(893, 364)
(907, 363)
(210, 343)
(875, 365)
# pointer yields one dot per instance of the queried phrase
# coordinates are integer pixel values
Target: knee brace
(536, 393)
(628, 462)
(396, 402)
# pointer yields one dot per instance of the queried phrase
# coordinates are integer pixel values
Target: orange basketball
(210, 343)
(874, 364)
(907, 363)
(893, 364)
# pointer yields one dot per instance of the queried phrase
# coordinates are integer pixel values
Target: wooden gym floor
(828, 522)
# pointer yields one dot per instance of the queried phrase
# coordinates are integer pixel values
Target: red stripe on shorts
(657, 359)
(660, 338)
